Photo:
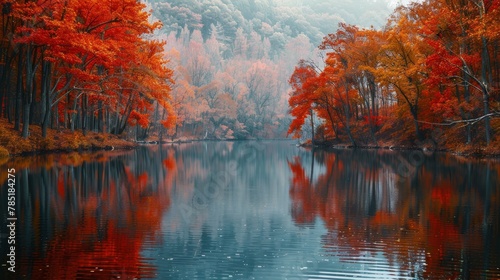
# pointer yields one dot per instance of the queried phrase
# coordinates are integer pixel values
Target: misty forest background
(233, 59)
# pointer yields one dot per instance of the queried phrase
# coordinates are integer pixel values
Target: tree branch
(468, 121)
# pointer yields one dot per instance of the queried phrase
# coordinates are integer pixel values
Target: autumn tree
(78, 61)
(302, 98)
(402, 61)
(463, 64)
(435, 64)
(341, 71)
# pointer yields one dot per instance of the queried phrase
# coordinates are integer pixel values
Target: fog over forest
(279, 20)
(232, 59)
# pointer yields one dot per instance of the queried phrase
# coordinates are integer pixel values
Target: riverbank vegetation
(104, 67)
(85, 65)
(429, 79)
(62, 140)
(89, 69)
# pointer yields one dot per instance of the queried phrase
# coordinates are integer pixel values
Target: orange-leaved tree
(302, 97)
(78, 60)
(402, 61)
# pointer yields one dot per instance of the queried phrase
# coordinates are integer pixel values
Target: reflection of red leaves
(170, 162)
(442, 194)
(303, 196)
(384, 218)
(299, 175)
(441, 232)
(441, 238)
(101, 240)
(429, 221)
(142, 180)
(60, 187)
(115, 255)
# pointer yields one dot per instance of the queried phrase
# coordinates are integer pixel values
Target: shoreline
(67, 141)
(130, 145)
(56, 142)
(475, 152)
(124, 145)
(117, 143)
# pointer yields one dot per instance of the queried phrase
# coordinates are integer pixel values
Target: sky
(394, 3)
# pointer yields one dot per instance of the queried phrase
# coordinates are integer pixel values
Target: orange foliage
(92, 57)
(435, 64)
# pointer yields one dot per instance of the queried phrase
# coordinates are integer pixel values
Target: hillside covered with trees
(232, 59)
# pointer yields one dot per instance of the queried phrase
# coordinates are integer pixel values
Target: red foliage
(374, 120)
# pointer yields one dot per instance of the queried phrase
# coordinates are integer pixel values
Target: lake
(252, 210)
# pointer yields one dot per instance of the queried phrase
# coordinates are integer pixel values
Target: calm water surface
(253, 210)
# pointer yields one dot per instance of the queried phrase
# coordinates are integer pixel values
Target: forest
(429, 78)
(185, 70)
(81, 65)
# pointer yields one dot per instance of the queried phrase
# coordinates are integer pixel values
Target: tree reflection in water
(269, 210)
(85, 216)
(439, 223)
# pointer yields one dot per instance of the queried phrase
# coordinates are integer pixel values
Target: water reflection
(438, 223)
(229, 214)
(82, 217)
(254, 210)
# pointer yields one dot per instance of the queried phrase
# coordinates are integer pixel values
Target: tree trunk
(100, 117)
(347, 113)
(84, 113)
(46, 108)
(19, 91)
(312, 125)
(28, 95)
(486, 78)
(74, 114)
(56, 113)
(4, 69)
(161, 128)
(415, 121)
(374, 114)
(123, 121)
(334, 128)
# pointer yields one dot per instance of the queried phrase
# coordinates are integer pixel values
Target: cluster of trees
(240, 95)
(232, 60)
(82, 64)
(436, 63)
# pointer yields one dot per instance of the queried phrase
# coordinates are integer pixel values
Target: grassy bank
(11, 142)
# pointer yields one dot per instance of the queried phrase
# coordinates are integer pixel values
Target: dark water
(253, 210)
